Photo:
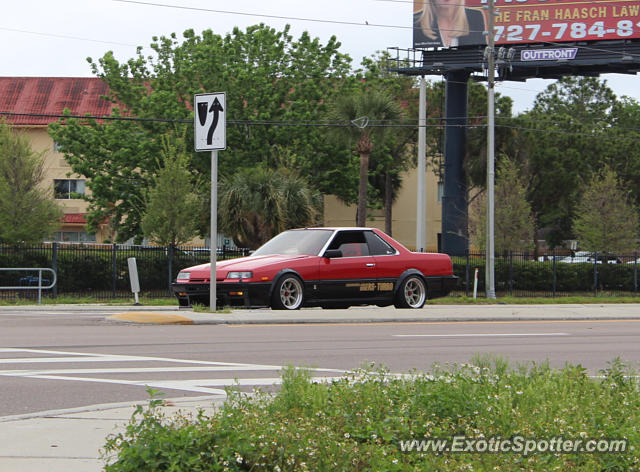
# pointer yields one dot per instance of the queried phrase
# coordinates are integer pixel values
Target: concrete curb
(154, 318)
(358, 315)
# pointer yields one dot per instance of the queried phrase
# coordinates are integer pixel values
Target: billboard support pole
(490, 249)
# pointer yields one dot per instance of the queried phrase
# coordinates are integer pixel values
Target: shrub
(357, 423)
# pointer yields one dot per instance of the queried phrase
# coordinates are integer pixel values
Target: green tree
(606, 219)
(514, 222)
(475, 159)
(363, 115)
(255, 204)
(269, 79)
(173, 204)
(398, 151)
(28, 213)
(565, 140)
(623, 138)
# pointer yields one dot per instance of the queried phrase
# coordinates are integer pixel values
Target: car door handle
(371, 264)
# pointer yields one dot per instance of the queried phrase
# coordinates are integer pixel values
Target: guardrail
(39, 287)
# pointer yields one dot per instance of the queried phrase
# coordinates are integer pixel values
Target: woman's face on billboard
(447, 4)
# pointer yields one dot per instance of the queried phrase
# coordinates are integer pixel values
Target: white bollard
(475, 285)
(133, 277)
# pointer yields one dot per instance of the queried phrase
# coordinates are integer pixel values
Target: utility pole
(490, 254)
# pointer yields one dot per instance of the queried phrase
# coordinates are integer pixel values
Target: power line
(283, 17)
(381, 123)
(63, 36)
(263, 15)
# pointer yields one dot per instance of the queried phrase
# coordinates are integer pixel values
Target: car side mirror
(332, 253)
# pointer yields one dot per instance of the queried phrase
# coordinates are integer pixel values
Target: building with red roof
(29, 104)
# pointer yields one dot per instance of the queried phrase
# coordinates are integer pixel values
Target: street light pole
(421, 226)
(490, 254)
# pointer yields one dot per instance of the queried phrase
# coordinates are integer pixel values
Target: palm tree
(366, 113)
(255, 204)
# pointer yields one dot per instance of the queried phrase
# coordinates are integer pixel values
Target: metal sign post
(214, 230)
(490, 250)
(210, 130)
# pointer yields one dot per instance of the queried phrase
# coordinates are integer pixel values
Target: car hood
(243, 264)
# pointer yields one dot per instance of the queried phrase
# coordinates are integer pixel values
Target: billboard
(449, 23)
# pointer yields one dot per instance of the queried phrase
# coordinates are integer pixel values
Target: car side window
(377, 245)
(351, 243)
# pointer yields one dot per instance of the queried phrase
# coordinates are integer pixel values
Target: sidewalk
(70, 440)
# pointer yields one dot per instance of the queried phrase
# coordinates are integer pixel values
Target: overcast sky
(54, 37)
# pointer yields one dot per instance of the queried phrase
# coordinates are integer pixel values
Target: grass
(450, 300)
(357, 423)
(576, 300)
(197, 308)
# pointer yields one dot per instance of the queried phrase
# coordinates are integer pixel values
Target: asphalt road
(57, 360)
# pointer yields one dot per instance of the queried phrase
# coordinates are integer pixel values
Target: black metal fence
(551, 275)
(100, 271)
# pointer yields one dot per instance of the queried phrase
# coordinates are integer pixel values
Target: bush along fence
(101, 271)
(522, 275)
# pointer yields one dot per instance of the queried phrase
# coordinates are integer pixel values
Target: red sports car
(327, 267)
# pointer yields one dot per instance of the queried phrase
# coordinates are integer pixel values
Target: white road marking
(185, 365)
(90, 357)
(132, 370)
(476, 335)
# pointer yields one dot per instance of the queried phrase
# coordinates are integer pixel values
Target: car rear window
(378, 246)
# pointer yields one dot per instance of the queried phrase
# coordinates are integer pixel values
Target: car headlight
(184, 276)
(240, 275)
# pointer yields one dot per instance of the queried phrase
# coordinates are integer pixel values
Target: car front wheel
(412, 293)
(287, 294)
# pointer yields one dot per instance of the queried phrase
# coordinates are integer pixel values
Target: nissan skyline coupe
(326, 267)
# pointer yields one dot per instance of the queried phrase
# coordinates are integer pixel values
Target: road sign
(210, 123)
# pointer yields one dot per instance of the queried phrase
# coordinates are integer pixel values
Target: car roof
(336, 228)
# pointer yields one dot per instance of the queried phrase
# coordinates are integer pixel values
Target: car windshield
(296, 242)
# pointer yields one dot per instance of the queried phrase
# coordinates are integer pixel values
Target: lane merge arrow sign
(210, 123)
(210, 134)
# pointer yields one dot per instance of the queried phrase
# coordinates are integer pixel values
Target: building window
(440, 191)
(66, 189)
(74, 236)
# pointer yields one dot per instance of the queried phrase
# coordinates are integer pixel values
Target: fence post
(54, 265)
(170, 254)
(595, 273)
(466, 275)
(511, 273)
(555, 272)
(114, 269)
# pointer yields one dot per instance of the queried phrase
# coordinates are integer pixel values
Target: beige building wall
(404, 212)
(56, 167)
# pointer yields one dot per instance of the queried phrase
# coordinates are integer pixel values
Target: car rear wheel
(288, 293)
(412, 293)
